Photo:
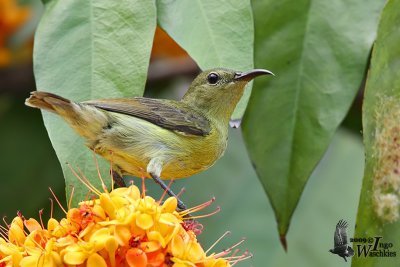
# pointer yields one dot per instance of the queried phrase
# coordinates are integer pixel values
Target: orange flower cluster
(12, 17)
(117, 228)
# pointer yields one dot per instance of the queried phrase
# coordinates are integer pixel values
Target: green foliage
(318, 51)
(222, 35)
(244, 209)
(378, 213)
(87, 50)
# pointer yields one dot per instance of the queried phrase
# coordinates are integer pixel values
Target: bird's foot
(181, 205)
(118, 180)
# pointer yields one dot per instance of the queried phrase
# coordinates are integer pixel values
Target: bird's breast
(132, 143)
(200, 153)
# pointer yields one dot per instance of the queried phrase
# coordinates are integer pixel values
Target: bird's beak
(250, 75)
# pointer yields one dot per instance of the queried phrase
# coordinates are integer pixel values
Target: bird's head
(216, 92)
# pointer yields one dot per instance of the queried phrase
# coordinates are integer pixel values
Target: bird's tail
(88, 121)
(48, 101)
(350, 251)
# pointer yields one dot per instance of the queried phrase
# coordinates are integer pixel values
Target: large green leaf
(86, 50)
(214, 33)
(246, 213)
(318, 51)
(378, 211)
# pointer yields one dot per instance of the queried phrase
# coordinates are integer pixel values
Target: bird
(340, 241)
(157, 138)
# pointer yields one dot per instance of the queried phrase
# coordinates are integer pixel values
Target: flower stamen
(3, 232)
(235, 253)
(193, 225)
(218, 240)
(143, 186)
(197, 208)
(5, 222)
(84, 181)
(41, 219)
(71, 196)
(111, 170)
(244, 256)
(92, 188)
(165, 191)
(19, 214)
(218, 209)
(51, 207)
(58, 202)
(229, 250)
(98, 172)
(183, 190)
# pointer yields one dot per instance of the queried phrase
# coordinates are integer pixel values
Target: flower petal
(156, 258)
(95, 260)
(16, 234)
(169, 219)
(170, 205)
(177, 246)
(150, 246)
(32, 225)
(29, 261)
(144, 221)
(156, 236)
(111, 246)
(196, 252)
(122, 234)
(99, 238)
(136, 258)
(107, 205)
(52, 224)
(75, 257)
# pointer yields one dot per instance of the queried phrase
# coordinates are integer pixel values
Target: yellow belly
(131, 143)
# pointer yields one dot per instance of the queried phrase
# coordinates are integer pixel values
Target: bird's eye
(212, 78)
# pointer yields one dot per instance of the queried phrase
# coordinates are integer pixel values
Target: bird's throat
(216, 107)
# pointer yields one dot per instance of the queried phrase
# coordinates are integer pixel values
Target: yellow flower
(118, 228)
(16, 233)
(38, 255)
(9, 252)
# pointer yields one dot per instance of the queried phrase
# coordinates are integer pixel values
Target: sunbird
(157, 138)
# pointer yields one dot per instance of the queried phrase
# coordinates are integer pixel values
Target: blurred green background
(28, 165)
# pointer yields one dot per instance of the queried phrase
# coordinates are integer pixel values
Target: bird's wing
(340, 236)
(164, 113)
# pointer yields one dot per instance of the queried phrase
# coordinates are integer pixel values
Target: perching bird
(158, 138)
(340, 241)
